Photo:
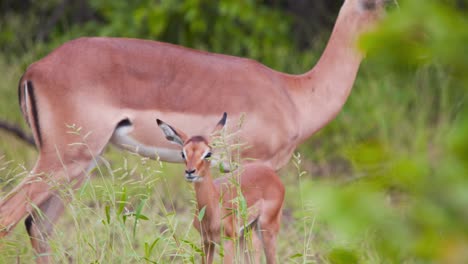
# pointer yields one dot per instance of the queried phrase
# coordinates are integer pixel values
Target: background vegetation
(386, 182)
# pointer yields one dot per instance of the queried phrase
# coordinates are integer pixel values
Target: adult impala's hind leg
(52, 171)
(39, 225)
(63, 162)
(33, 190)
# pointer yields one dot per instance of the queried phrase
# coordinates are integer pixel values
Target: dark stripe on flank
(20, 95)
(36, 125)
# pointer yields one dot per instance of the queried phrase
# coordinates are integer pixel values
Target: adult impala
(260, 186)
(111, 89)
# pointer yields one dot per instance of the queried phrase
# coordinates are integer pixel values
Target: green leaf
(342, 256)
(201, 214)
(297, 255)
(221, 167)
(123, 201)
(193, 246)
(107, 210)
(149, 248)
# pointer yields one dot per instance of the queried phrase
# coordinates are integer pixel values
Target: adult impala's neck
(321, 93)
(207, 195)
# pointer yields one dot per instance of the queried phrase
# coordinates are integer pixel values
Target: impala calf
(260, 186)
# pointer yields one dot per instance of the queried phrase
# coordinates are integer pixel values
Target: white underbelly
(122, 139)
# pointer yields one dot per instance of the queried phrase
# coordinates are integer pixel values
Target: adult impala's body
(261, 190)
(113, 88)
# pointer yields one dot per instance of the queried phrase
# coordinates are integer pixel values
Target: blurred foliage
(416, 31)
(261, 30)
(408, 204)
(241, 27)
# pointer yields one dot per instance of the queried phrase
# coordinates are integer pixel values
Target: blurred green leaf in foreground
(408, 205)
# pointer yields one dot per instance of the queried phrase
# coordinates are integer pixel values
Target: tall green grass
(133, 210)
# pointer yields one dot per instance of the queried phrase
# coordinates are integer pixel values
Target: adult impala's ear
(220, 124)
(173, 135)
